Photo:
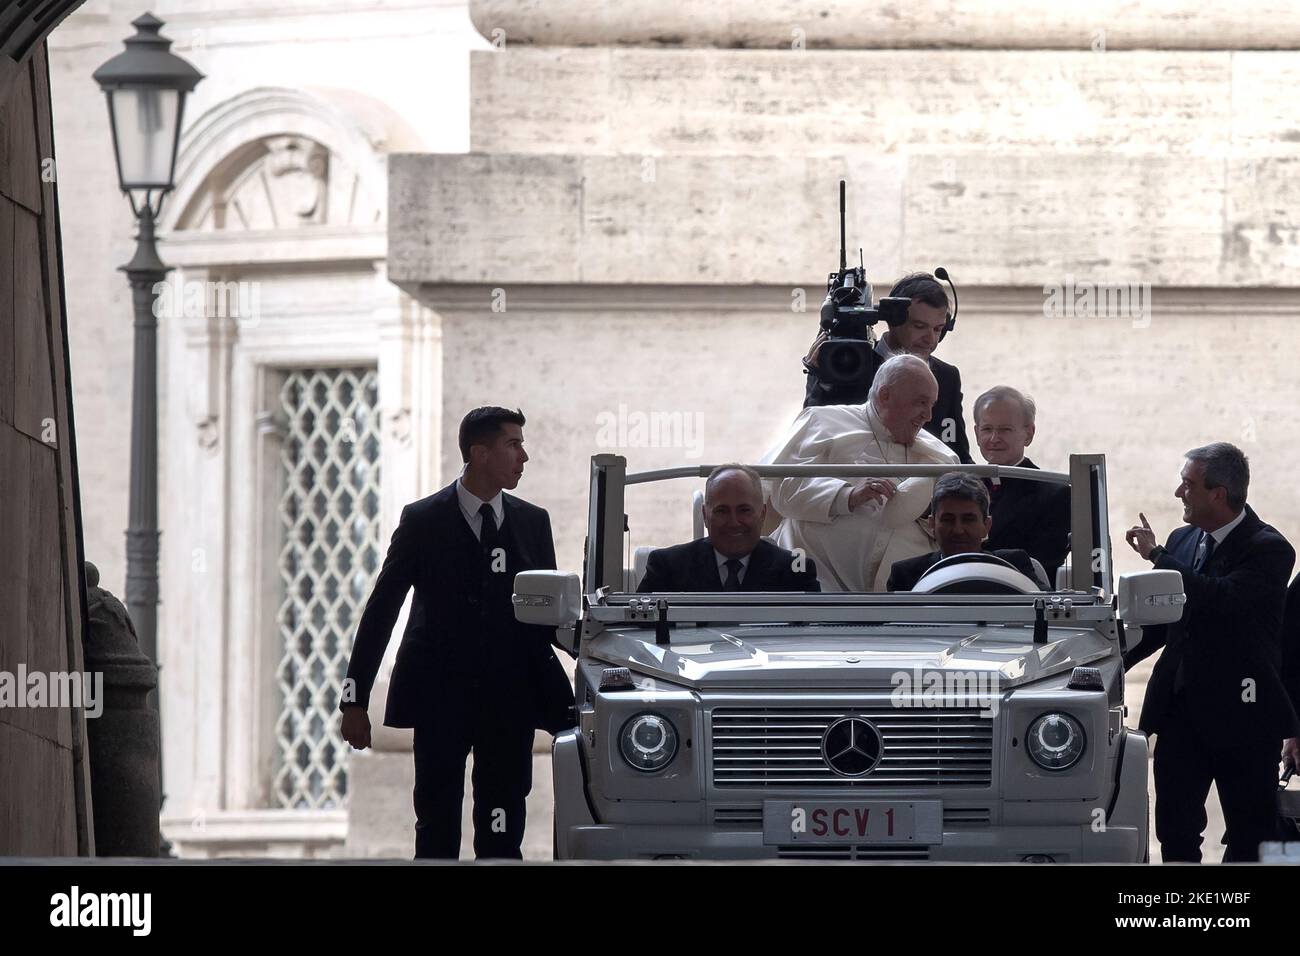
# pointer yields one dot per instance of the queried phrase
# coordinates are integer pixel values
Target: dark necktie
(732, 583)
(1204, 551)
(489, 536)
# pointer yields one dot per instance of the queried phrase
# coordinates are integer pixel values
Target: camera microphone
(847, 355)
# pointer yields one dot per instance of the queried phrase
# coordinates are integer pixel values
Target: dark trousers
(502, 776)
(1246, 777)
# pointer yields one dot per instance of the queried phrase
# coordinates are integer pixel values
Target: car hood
(840, 656)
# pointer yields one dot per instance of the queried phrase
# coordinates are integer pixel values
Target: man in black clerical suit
(927, 318)
(1031, 515)
(960, 522)
(1215, 701)
(733, 555)
(468, 676)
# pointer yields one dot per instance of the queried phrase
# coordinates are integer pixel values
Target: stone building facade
(619, 216)
(296, 382)
(653, 193)
(45, 784)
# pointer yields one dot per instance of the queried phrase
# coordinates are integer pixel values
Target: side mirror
(547, 598)
(1151, 597)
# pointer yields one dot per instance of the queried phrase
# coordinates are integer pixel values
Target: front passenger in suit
(733, 555)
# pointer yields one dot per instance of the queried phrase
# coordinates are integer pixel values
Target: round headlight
(1055, 741)
(648, 742)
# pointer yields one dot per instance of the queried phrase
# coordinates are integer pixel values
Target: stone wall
(849, 24)
(44, 776)
(652, 205)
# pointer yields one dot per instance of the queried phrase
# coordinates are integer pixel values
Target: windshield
(821, 533)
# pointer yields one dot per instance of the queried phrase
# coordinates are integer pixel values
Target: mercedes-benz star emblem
(852, 746)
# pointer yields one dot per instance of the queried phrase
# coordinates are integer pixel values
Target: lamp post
(146, 88)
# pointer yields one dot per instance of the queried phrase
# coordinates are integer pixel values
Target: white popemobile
(976, 718)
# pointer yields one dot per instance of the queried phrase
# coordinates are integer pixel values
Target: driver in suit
(960, 522)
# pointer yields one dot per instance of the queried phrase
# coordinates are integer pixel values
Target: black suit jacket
(693, 566)
(1291, 643)
(1033, 516)
(446, 649)
(904, 574)
(947, 408)
(1229, 634)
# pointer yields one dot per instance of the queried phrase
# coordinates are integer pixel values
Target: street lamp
(146, 88)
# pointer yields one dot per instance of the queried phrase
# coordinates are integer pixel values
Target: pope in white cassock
(856, 529)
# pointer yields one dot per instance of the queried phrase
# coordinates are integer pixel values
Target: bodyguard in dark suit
(732, 556)
(1215, 701)
(960, 522)
(927, 320)
(468, 676)
(1031, 515)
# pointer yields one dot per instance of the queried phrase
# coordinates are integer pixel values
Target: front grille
(781, 746)
(738, 818)
(955, 818)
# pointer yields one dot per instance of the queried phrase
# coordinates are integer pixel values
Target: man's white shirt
(469, 505)
(886, 351)
(1219, 534)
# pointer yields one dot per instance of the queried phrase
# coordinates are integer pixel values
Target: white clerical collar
(997, 481)
(470, 503)
(1226, 530)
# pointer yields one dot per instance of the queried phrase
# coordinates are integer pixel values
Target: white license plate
(851, 821)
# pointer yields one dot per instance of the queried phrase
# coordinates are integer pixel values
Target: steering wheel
(993, 576)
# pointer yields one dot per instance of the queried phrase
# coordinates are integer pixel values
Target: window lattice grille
(329, 516)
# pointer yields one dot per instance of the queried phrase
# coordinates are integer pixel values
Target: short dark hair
(964, 487)
(483, 424)
(1226, 466)
(921, 287)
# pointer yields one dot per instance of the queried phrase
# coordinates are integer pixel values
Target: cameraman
(919, 335)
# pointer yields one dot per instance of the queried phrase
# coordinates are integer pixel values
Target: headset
(942, 273)
(951, 316)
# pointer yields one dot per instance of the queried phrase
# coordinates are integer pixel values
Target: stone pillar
(124, 739)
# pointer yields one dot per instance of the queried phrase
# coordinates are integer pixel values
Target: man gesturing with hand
(1215, 702)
